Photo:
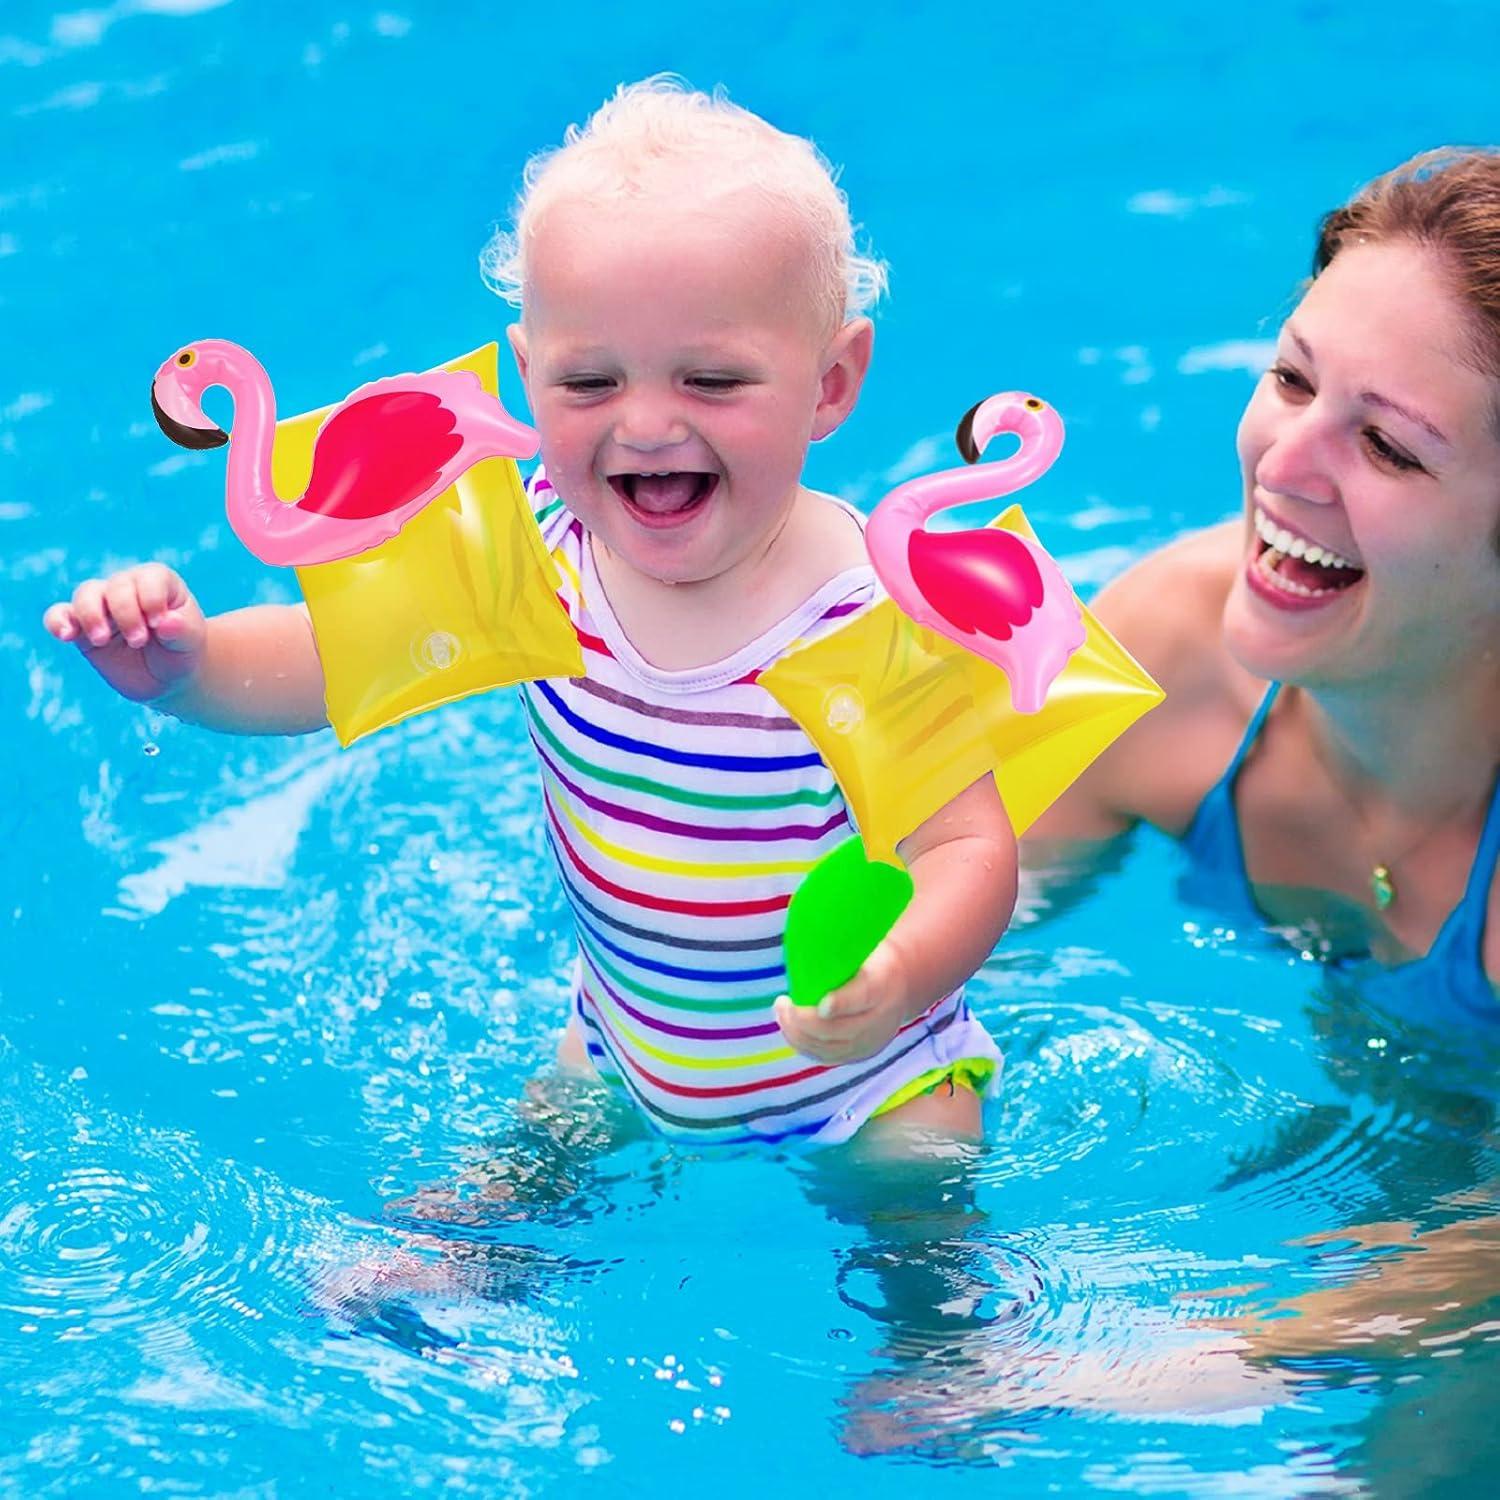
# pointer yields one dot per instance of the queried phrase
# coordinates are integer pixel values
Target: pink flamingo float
(990, 591)
(381, 454)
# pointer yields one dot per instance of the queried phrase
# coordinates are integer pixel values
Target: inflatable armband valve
(907, 720)
(462, 599)
(844, 906)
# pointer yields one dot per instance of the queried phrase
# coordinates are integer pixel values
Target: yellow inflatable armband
(462, 599)
(907, 720)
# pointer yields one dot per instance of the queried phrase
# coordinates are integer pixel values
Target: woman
(1328, 745)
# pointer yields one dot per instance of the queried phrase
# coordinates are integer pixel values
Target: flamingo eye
(1032, 404)
(187, 358)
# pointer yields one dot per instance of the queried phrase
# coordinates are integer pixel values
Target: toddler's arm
(252, 671)
(963, 868)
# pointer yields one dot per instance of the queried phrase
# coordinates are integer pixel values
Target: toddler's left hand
(854, 1021)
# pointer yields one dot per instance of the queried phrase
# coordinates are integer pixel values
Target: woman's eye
(1290, 380)
(1387, 453)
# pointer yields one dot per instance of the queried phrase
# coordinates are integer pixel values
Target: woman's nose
(1296, 460)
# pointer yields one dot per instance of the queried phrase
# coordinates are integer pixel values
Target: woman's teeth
(1281, 540)
(1295, 566)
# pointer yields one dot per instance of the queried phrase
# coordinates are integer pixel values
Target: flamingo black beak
(182, 434)
(968, 449)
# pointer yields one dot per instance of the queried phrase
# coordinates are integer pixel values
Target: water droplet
(150, 748)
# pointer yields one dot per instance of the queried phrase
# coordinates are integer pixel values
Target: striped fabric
(684, 808)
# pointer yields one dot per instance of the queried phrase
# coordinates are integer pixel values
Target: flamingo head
(1038, 426)
(178, 386)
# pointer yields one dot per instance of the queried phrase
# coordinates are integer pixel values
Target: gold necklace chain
(1382, 879)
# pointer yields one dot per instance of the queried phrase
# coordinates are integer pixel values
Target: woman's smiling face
(1371, 466)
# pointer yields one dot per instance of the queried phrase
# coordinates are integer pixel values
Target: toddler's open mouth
(1293, 569)
(666, 497)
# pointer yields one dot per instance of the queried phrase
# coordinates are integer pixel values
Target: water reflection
(464, 1241)
(1405, 1296)
(985, 1333)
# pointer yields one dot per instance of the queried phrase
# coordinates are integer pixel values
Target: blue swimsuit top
(1450, 973)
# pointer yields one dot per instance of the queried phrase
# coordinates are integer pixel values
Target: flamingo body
(992, 592)
(381, 455)
(983, 583)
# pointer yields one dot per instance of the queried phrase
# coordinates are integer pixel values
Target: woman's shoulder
(1165, 611)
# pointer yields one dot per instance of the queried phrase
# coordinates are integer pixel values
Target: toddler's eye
(716, 384)
(586, 385)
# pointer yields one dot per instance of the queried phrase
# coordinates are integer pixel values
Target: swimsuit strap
(1452, 966)
(1251, 734)
(1464, 927)
(1216, 858)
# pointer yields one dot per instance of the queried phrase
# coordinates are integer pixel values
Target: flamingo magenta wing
(380, 453)
(981, 582)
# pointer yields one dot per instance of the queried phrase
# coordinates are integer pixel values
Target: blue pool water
(254, 992)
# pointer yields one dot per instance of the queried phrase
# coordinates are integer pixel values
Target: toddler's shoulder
(835, 534)
(824, 568)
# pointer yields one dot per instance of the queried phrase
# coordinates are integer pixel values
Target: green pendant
(1382, 887)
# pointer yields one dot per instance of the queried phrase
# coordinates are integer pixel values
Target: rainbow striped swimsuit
(683, 809)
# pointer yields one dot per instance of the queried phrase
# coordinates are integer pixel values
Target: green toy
(845, 905)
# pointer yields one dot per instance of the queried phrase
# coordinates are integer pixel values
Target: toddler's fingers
(177, 630)
(124, 606)
(855, 998)
(793, 1020)
(94, 623)
(179, 624)
(60, 622)
(158, 589)
(800, 1026)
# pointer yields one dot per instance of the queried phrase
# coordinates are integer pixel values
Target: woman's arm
(1434, 1282)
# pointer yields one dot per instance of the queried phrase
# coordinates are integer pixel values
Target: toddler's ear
(844, 367)
(517, 336)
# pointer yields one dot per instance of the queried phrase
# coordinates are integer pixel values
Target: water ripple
(107, 1230)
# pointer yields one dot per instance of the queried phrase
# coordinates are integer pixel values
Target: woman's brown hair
(1447, 201)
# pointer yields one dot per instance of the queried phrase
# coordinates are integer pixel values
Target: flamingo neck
(918, 499)
(250, 486)
(902, 513)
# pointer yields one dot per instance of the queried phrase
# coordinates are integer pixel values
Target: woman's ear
(844, 367)
(516, 334)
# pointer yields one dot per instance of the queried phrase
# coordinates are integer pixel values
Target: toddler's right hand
(140, 629)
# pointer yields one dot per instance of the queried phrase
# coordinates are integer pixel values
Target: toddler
(691, 319)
